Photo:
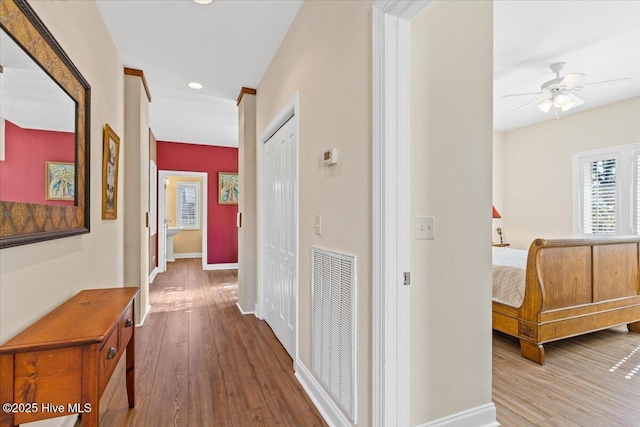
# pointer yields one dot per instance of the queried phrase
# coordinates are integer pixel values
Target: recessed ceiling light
(203, 1)
(195, 85)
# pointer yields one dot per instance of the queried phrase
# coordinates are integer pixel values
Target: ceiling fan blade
(529, 103)
(609, 83)
(522, 94)
(570, 80)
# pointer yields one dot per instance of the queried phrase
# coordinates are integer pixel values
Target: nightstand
(500, 245)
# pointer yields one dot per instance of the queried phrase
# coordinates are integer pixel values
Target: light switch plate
(425, 228)
(318, 226)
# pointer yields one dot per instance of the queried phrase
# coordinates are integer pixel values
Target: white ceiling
(598, 38)
(224, 45)
(229, 44)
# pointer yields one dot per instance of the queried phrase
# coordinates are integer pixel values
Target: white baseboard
(187, 255)
(153, 275)
(325, 404)
(144, 316)
(229, 266)
(481, 416)
(256, 311)
(242, 311)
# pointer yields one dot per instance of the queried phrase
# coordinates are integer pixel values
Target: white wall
(537, 167)
(136, 191)
(326, 57)
(247, 233)
(36, 278)
(451, 132)
(498, 183)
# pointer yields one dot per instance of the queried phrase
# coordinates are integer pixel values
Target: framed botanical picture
(227, 188)
(110, 156)
(61, 181)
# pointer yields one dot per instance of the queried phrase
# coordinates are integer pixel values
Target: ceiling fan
(559, 92)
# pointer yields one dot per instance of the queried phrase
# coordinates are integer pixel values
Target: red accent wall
(222, 233)
(22, 173)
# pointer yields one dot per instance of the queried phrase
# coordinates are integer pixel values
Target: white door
(280, 234)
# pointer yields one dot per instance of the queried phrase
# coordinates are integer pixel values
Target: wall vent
(333, 326)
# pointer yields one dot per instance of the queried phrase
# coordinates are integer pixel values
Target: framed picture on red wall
(227, 188)
(110, 158)
(61, 179)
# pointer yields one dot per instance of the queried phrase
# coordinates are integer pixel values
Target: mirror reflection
(37, 132)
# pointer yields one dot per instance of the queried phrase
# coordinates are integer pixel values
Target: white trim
(162, 201)
(188, 255)
(256, 310)
(329, 410)
(291, 110)
(391, 209)
(242, 311)
(153, 275)
(144, 316)
(481, 416)
(2, 140)
(153, 198)
(625, 189)
(227, 266)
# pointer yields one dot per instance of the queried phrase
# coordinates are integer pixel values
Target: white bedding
(509, 267)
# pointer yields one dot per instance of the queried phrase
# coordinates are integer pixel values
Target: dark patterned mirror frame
(24, 223)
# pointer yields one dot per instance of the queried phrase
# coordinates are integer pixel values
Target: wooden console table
(61, 364)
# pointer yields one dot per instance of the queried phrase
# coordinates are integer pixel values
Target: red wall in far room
(222, 233)
(22, 173)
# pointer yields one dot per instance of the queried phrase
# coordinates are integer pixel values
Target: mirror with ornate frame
(24, 221)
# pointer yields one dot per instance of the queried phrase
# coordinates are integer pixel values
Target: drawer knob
(111, 353)
(129, 323)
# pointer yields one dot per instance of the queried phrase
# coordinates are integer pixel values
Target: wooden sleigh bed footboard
(574, 286)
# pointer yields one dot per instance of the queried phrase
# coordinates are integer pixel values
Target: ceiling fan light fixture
(561, 100)
(569, 105)
(574, 101)
(545, 105)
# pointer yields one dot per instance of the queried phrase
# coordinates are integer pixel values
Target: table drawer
(126, 325)
(107, 359)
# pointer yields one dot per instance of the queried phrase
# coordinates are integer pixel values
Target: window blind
(599, 196)
(188, 206)
(636, 187)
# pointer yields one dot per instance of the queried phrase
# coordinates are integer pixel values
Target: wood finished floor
(575, 387)
(199, 362)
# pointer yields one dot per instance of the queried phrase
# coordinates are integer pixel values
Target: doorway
(193, 187)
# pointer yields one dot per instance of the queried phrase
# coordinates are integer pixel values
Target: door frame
(391, 209)
(291, 110)
(162, 208)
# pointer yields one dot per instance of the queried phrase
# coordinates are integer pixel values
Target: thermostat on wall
(330, 157)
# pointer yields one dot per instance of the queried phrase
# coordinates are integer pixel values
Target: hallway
(199, 362)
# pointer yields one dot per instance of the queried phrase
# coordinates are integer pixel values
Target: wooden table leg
(131, 370)
(6, 388)
(90, 385)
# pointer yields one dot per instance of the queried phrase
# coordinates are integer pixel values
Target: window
(188, 205)
(606, 191)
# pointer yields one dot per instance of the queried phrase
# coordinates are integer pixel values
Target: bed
(571, 287)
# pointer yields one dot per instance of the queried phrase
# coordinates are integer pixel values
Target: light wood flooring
(579, 385)
(199, 362)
